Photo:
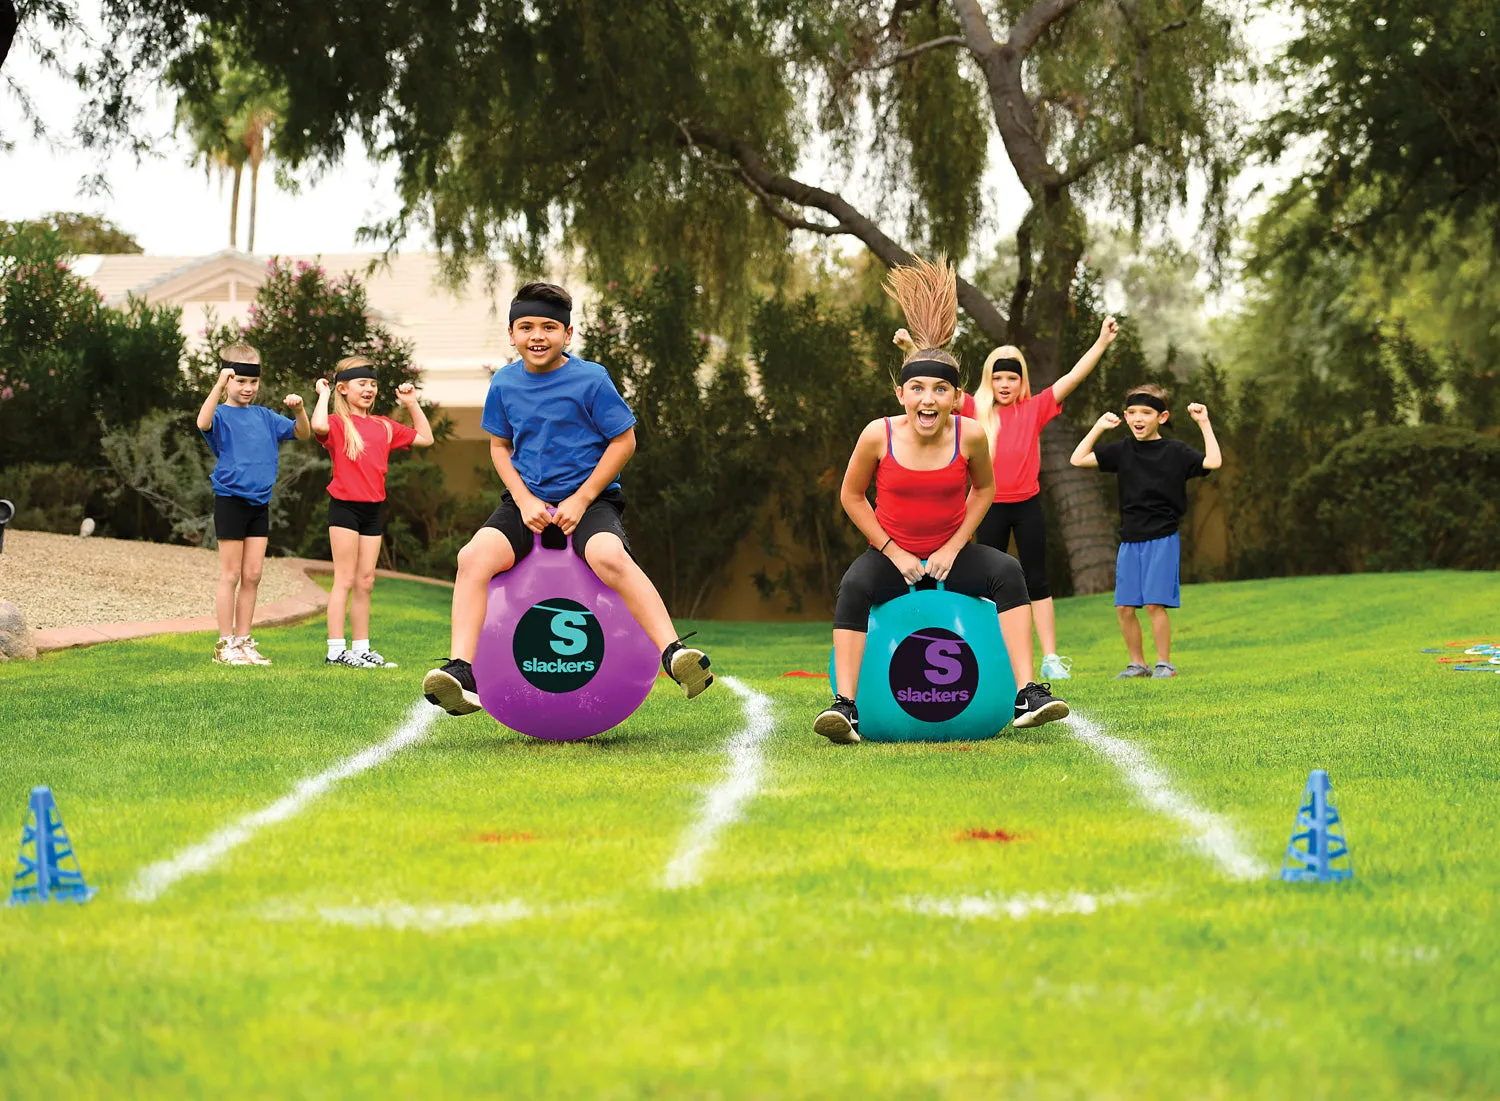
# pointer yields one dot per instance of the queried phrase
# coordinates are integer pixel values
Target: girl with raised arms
(1013, 418)
(933, 484)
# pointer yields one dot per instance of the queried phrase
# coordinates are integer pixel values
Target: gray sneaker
(1133, 670)
(1163, 669)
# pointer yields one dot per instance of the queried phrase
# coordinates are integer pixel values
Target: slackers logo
(558, 645)
(934, 674)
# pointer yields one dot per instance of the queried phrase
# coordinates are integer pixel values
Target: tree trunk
(254, 191)
(1078, 496)
(9, 21)
(234, 208)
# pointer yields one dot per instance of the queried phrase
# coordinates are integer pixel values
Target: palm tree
(230, 109)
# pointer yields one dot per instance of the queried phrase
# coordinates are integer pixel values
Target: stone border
(311, 600)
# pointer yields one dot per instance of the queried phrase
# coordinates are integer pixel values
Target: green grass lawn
(819, 956)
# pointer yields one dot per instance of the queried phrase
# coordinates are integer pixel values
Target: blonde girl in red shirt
(1013, 418)
(360, 445)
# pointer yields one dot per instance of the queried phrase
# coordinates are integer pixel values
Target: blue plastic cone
(41, 876)
(1317, 838)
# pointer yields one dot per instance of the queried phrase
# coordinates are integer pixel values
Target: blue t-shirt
(558, 422)
(245, 439)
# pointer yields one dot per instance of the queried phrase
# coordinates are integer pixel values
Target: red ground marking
(501, 838)
(979, 834)
(803, 673)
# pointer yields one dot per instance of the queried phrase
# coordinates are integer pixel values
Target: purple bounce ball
(560, 657)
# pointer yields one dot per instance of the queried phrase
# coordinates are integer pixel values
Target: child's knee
(485, 557)
(1126, 612)
(229, 575)
(1156, 611)
(607, 557)
(250, 575)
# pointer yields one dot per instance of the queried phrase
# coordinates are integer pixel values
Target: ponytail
(927, 293)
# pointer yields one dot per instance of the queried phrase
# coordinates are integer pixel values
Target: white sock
(335, 647)
(225, 638)
(360, 645)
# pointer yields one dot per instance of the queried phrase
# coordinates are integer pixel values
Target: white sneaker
(252, 655)
(349, 660)
(227, 653)
(1056, 668)
(373, 659)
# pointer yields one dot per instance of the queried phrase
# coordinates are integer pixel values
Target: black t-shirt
(1153, 484)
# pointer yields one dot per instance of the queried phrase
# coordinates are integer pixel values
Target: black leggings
(977, 571)
(1026, 520)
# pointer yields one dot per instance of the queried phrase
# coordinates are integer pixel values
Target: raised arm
(1083, 454)
(406, 394)
(320, 411)
(210, 403)
(1213, 458)
(1090, 359)
(294, 402)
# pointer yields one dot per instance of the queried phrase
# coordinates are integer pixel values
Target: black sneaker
(1036, 705)
(373, 659)
(452, 688)
(687, 666)
(839, 721)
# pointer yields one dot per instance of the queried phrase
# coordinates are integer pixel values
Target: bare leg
(482, 557)
(848, 655)
(231, 552)
(251, 565)
(364, 586)
(1161, 631)
(1045, 616)
(1015, 628)
(607, 557)
(345, 545)
(1130, 627)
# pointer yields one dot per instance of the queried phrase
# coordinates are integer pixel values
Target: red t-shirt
(363, 479)
(1018, 446)
(967, 408)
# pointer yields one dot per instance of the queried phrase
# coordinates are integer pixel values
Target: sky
(172, 208)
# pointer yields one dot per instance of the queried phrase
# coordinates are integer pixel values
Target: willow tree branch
(767, 183)
(911, 52)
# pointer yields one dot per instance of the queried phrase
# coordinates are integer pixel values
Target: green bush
(1400, 498)
(49, 496)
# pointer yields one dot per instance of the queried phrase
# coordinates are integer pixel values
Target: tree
(671, 132)
(230, 108)
(1397, 99)
(79, 234)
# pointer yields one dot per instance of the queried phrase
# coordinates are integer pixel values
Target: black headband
(535, 307)
(248, 370)
(929, 368)
(349, 374)
(1151, 401)
(1005, 363)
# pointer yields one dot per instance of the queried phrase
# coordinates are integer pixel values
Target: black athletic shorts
(360, 516)
(1025, 518)
(605, 514)
(977, 571)
(237, 518)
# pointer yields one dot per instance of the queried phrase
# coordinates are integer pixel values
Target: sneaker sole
(690, 669)
(443, 689)
(1055, 710)
(836, 728)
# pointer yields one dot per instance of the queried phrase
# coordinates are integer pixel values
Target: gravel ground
(65, 581)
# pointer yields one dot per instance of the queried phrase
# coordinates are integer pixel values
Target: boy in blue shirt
(245, 438)
(561, 434)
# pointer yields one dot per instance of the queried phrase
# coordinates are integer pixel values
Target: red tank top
(921, 509)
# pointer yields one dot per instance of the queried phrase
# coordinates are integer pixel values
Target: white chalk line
(727, 798)
(1016, 907)
(1212, 834)
(422, 917)
(153, 881)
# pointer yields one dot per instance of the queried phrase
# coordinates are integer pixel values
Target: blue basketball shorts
(1147, 573)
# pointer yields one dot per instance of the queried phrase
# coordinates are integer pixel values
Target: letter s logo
(567, 636)
(943, 666)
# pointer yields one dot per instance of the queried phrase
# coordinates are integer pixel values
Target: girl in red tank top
(933, 484)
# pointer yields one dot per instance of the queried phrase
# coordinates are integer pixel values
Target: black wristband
(887, 543)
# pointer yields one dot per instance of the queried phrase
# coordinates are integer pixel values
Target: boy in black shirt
(1153, 475)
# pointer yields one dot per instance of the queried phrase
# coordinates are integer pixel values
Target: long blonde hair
(927, 293)
(354, 443)
(984, 396)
